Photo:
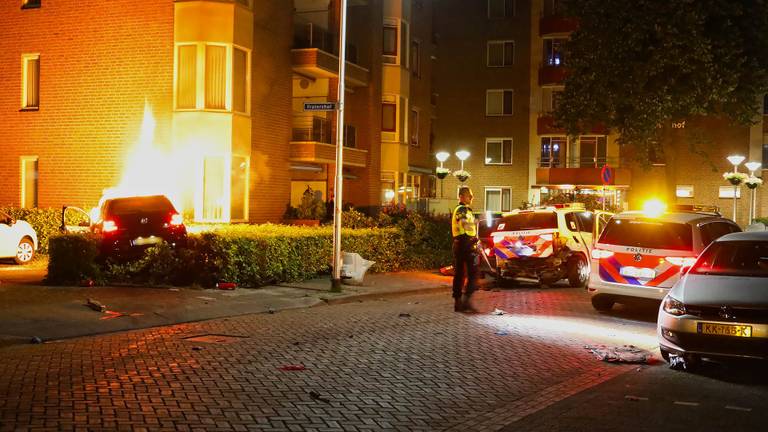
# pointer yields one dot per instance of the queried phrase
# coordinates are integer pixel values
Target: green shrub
(762, 219)
(45, 221)
(73, 258)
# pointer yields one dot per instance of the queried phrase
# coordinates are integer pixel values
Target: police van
(546, 243)
(640, 253)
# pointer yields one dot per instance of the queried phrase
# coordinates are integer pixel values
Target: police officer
(465, 239)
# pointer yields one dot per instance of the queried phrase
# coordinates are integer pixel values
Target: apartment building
(204, 100)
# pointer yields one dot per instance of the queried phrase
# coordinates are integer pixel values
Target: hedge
(257, 255)
(45, 221)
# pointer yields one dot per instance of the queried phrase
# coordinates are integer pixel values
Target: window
(552, 149)
(684, 191)
(30, 4)
(415, 58)
(213, 188)
(390, 43)
(388, 117)
(501, 8)
(501, 53)
(553, 52)
(29, 176)
(413, 127)
(713, 231)
(404, 59)
(215, 76)
(186, 86)
(498, 199)
(498, 102)
(550, 99)
(239, 188)
(648, 234)
(727, 192)
(498, 151)
(225, 198)
(734, 258)
(580, 221)
(30, 65)
(434, 96)
(592, 151)
(350, 136)
(239, 80)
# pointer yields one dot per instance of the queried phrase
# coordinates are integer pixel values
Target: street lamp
(442, 172)
(752, 167)
(462, 155)
(735, 160)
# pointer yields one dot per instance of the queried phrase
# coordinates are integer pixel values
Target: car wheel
(602, 303)
(25, 251)
(578, 272)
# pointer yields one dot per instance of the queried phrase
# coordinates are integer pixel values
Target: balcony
(556, 24)
(552, 75)
(545, 125)
(579, 172)
(312, 141)
(315, 55)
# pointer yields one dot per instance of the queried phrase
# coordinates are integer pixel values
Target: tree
(637, 65)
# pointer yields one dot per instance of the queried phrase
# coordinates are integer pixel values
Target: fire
(147, 170)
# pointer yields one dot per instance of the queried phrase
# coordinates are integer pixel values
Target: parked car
(719, 308)
(18, 240)
(640, 255)
(129, 225)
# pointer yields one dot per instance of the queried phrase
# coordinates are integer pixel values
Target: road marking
(686, 403)
(737, 408)
(635, 398)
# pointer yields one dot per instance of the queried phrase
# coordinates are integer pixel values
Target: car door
(601, 220)
(74, 220)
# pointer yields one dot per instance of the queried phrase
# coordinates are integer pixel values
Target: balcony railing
(310, 128)
(578, 162)
(307, 34)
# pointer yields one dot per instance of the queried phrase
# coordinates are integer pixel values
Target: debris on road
(87, 283)
(635, 398)
(498, 312)
(114, 314)
(226, 285)
(622, 354)
(35, 340)
(316, 396)
(197, 348)
(270, 311)
(205, 298)
(173, 289)
(292, 367)
(404, 315)
(96, 305)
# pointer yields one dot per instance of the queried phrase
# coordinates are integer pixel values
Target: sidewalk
(28, 311)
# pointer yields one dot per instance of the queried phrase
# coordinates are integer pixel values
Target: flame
(147, 170)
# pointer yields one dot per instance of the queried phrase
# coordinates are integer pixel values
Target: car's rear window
(147, 204)
(528, 221)
(650, 234)
(734, 258)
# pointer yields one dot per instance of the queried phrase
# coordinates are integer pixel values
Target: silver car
(719, 308)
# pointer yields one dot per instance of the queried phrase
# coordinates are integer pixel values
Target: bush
(764, 220)
(73, 258)
(45, 221)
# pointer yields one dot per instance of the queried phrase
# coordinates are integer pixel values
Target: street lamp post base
(335, 285)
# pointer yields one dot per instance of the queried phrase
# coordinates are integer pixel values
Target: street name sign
(319, 106)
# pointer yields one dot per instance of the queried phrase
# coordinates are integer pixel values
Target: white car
(719, 308)
(18, 239)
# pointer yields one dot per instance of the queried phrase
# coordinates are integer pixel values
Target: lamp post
(462, 155)
(442, 157)
(752, 167)
(735, 160)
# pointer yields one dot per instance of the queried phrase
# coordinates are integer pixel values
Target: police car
(546, 243)
(640, 253)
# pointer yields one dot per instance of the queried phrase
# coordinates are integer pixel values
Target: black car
(129, 225)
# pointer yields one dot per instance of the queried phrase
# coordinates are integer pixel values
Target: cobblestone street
(407, 363)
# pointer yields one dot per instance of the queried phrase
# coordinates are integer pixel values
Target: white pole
(735, 192)
(337, 192)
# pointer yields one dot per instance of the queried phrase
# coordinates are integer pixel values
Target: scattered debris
(114, 314)
(447, 270)
(686, 403)
(737, 408)
(173, 289)
(502, 333)
(292, 367)
(404, 315)
(35, 340)
(87, 283)
(270, 311)
(205, 298)
(678, 362)
(498, 312)
(316, 396)
(296, 343)
(96, 305)
(635, 398)
(622, 354)
(197, 348)
(226, 285)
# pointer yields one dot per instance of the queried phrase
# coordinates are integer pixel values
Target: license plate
(641, 273)
(142, 241)
(724, 329)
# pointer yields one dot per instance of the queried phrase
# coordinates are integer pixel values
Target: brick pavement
(367, 367)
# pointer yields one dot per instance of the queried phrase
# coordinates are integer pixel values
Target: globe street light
(462, 155)
(442, 172)
(735, 160)
(752, 167)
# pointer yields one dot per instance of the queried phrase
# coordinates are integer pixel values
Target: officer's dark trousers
(464, 265)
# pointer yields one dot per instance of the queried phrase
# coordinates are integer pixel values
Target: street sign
(606, 175)
(319, 106)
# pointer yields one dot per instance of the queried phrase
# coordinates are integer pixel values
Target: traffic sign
(319, 106)
(606, 175)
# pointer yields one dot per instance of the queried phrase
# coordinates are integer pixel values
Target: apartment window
(592, 151)
(551, 99)
(501, 53)
(30, 4)
(390, 43)
(501, 8)
(239, 188)
(388, 117)
(498, 102)
(239, 80)
(498, 151)
(30, 98)
(29, 176)
(415, 58)
(553, 52)
(413, 126)
(684, 191)
(727, 192)
(186, 85)
(404, 59)
(215, 77)
(350, 136)
(552, 149)
(498, 199)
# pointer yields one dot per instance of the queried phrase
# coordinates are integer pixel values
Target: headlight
(673, 306)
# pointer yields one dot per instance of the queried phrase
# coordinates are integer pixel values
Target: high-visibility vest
(463, 221)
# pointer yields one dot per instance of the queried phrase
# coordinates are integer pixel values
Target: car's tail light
(601, 253)
(176, 219)
(109, 226)
(681, 261)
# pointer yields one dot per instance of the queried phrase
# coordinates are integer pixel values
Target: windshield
(734, 258)
(648, 233)
(149, 204)
(529, 221)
